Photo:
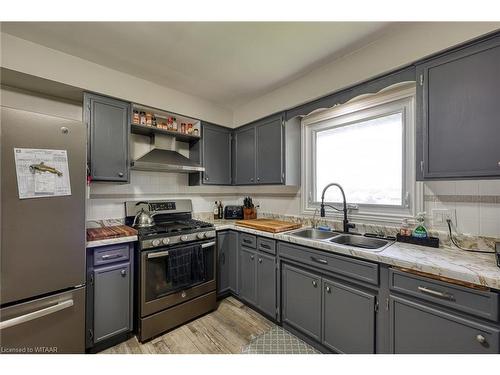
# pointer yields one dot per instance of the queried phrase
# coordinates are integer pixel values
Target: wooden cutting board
(268, 225)
(94, 234)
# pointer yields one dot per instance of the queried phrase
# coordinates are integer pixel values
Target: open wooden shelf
(151, 130)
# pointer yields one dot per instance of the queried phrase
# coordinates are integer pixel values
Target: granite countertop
(108, 241)
(480, 269)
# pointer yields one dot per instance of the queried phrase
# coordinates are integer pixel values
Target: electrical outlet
(441, 215)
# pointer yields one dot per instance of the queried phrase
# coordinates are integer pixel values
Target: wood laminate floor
(224, 331)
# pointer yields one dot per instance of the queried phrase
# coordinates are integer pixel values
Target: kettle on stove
(143, 219)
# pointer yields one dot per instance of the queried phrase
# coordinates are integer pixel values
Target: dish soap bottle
(216, 211)
(420, 230)
(405, 229)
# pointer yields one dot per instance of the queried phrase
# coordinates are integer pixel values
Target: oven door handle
(159, 254)
(208, 244)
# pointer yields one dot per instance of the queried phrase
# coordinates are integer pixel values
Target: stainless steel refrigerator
(42, 290)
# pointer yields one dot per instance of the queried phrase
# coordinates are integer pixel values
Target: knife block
(249, 213)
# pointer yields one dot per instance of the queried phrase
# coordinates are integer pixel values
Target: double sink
(345, 239)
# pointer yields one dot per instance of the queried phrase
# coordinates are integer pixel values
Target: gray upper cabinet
(270, 156)
(348, 319)
(244, 158)
(266, 284)
(301, 300)
(108, 124)
(267, 152)
(416, 328)
(457, 113)
(214, 152)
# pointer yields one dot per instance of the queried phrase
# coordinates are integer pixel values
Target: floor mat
(278, 341)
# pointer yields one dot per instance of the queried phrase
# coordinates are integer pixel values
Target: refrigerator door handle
(36, 314)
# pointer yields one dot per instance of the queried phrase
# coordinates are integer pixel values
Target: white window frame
(394, 99)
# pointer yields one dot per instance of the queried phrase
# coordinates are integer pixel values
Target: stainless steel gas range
(176, 266)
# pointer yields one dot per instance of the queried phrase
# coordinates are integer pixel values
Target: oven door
(159, 289)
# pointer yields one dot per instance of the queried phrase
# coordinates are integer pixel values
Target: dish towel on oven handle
(186, 266)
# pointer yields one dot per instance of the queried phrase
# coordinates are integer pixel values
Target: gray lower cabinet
(457, 113)
(301, 300)
(247, 275)
(416, 328)
(108, 128)
(111, 301)
(227, 247)
(266, 284)
(348, 318)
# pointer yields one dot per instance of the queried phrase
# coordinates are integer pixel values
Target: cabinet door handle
(251, 257)
(314, 283)
(120, 174)
(260, 260)
(328, 290)
(319, 260)
(436, 293)
(481, 339)
(123, 273)
(251, 180)
(258, 178)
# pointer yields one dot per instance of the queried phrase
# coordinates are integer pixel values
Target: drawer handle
(319, 260)
(481, 339)
(111, 256)
(315, 284)
(265, 246)
(247, 241)
(436, 293)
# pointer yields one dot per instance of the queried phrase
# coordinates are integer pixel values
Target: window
(367, 146)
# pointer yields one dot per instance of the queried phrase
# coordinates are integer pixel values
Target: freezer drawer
(54, 324)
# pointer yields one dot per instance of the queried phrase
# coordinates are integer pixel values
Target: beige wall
(26, 57)
(401, 45)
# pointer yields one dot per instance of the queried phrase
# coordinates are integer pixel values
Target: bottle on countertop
(221, 210)
(420, 230)
(216, 211)
(405, 229)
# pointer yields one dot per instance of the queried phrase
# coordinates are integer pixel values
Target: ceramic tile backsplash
(476, 203)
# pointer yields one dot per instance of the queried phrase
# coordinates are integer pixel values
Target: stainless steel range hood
(164, 157)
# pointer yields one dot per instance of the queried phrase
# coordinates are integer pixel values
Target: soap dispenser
(420, 230)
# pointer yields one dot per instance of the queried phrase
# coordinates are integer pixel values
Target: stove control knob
(184, 238)
(200, 236)
(155, 242)
(166, 241)
(206, 234)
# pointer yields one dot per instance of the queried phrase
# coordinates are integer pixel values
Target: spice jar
(196, 131)
(149, 119)
(189, 128)
(154, 123)
(170, 123)
(136, 119)
(174, 124)
(143, 118)
(183, 127)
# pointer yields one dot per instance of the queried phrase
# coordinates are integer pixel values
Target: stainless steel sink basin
(360, 241)
(314, 234)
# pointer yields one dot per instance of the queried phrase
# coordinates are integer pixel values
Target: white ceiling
(227, 63)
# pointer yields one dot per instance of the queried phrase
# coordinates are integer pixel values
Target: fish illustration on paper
(41, 167)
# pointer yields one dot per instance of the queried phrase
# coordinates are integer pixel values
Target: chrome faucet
(345, 222)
